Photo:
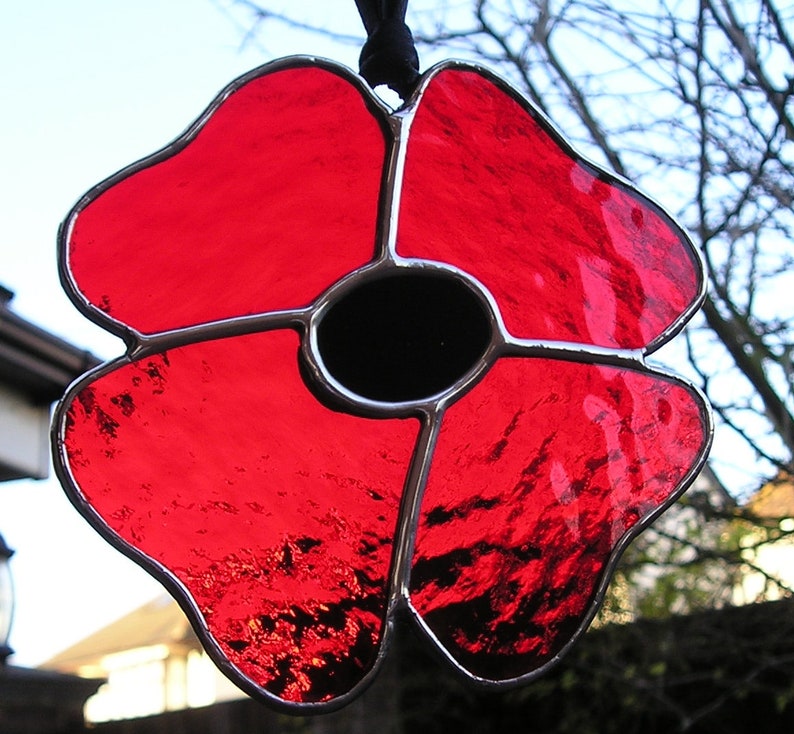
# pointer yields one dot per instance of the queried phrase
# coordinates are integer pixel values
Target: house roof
(775, 500)
(34, 361)
(159, 622)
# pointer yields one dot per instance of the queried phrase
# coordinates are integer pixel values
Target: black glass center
(404, 337)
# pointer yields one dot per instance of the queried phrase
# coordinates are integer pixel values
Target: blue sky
(89, 86)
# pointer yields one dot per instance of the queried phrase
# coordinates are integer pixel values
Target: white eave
(36, 367)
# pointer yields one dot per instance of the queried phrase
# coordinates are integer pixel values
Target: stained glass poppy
(379, 363)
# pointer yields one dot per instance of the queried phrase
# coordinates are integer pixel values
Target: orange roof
(775, 500)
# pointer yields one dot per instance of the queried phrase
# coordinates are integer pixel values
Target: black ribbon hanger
(389, 54)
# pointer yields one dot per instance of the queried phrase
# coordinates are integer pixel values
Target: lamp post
(6, 600)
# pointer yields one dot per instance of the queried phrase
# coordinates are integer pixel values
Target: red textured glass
(275, 513)
(380, 364)
(568, 252)
(269, 201)
(515, 534)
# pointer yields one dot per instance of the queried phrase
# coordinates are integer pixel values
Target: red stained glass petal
(516, 531)
(276, 514)
(569, 253)
(274, 200)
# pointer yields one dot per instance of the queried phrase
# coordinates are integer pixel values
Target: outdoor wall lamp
(6, 600)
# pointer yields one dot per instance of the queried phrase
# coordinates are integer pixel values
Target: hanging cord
(389, 55)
